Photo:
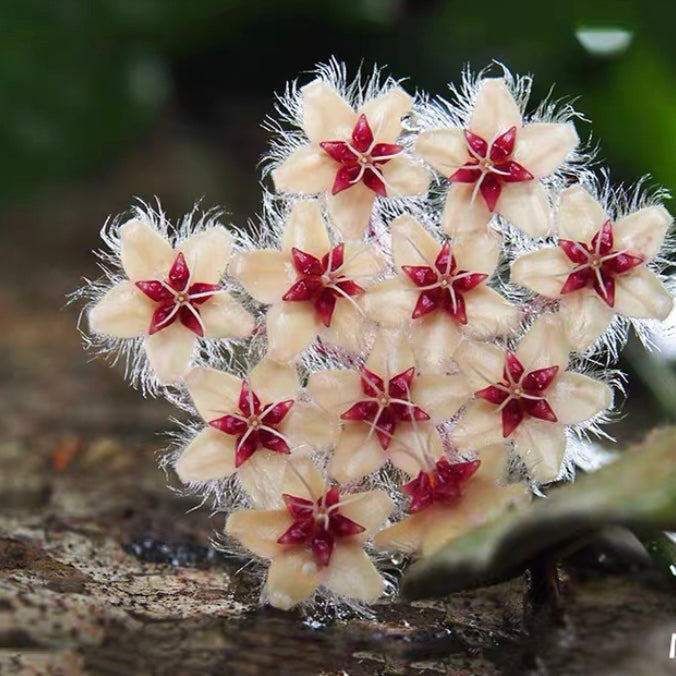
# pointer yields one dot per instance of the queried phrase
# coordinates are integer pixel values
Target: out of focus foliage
(82, 80)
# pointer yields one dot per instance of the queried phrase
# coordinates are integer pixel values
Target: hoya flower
(352, 156)
(248, 421)
(442, 291)
(314, 538)
(527, 397)
(171, 296)
(496, 163)
(600, 267)
(449, 498)
(381, 406)
(313, 287)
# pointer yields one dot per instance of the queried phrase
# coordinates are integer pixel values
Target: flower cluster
(367, 372)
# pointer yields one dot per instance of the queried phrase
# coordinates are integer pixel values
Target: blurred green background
(105, 100)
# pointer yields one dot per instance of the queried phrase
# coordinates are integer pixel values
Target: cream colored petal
(144, 253)
(210, 455)
(384, 114)
(411, 243)
(404, 176)
(405, 536)
(207, 254)
(350, 210)
(544, 271)
(262, 477)
(481, 364)
(291, 327)
(124, 312)
(415, 447)
(541, 445)
(274, 382)
(335, 391)
(580, 216)
(493, 465)
(442, 527)
(303, 480)
(576, 397)
(169, 352)
(526, 207)
(266, 274)
(223, 317)
(351, 573)
(642, 232)
(369, 509)
(305, 229)
(544, 146)
(307, 170)
(444, 149)
(544, 345)
(640, 293)
(292, 578)
(440, 396)
(489, 314)
(308, 428)
(585, 317)
(480, 426)
(435, 338)
(484, 501)
(357, 454)
(479, 252)
(463, 215)
(361, 262)
(390, 302)
(258, 530)
(214, 393)
(347, 326)
(391, 354)
(495, 110)
(327, 116)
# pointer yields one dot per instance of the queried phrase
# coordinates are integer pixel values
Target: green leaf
(638, 490)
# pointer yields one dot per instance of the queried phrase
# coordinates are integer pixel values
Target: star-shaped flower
(599, 268)
(527, 397)
(249, 421)
(352, 155)
(382, 405)
(167, 284)
(441, 292)
(314, 287)
(449, 498)
(494, 165)
(314, 537)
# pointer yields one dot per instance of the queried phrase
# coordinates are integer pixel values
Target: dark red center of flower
(317, 524)
(384, 406)
(442, 286)
(521, 394)
(321, 281)
(255, 425)
(597, 264)
(490, 165)
(443, 484)
(360, 159)
(177, 298)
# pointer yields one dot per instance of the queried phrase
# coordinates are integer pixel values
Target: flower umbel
(449, 357)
